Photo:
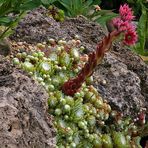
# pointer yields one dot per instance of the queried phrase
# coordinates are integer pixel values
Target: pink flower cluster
(126, 13)
(124, 24)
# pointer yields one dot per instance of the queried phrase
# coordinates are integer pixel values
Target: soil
(122, 78)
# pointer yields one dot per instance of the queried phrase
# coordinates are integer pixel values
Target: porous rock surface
(120, 85)
(122, 78)
(24, 122)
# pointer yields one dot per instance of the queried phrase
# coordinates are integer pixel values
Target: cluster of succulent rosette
(81, 120)
(81, 117)
(57, 14)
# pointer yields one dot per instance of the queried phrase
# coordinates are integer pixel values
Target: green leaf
(130, 1)
(66, 4)
(96, 2)
(2, 1)
(48, 2)
(104, 18)
(5, 20)
(77, 105)
(5, 7)
(88, 3)
(142, 28)
(29, 5)
(77, 7)
(77, 110)
(86, 6)
(8, 33)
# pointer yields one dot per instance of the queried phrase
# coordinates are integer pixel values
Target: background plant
(87, 8)
(73, 8)
(11, 11)
(140, 8)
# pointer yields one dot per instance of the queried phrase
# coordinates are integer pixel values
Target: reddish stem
(94, 58)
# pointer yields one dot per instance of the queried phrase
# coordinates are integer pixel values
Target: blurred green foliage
(74, 8)
(140, 8)
(87, 8)
(18, 8)
(102, 16)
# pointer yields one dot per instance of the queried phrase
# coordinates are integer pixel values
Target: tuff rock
(24, 121)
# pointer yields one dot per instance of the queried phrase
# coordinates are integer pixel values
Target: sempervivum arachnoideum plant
(123, 25)
(82, 118)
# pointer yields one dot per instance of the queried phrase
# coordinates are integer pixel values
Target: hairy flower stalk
(94, 58)
(123, 25)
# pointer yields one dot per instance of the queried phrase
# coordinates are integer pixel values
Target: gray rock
(37, 26)
(119, 85)
(24, 121)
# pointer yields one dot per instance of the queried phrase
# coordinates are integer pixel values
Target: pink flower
(130, 37)
(126, 13)
(117, 22)
(120, 25)
(124, 24)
